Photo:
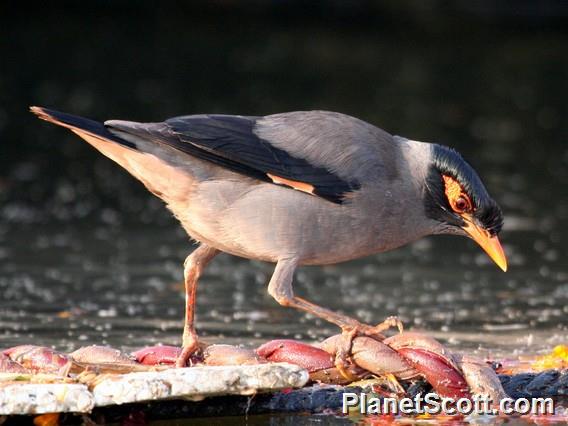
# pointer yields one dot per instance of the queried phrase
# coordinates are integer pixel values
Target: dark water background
(87, 256)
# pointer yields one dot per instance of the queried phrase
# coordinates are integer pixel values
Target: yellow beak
(490, 244)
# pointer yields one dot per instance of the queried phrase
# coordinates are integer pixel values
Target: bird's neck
(414, 166)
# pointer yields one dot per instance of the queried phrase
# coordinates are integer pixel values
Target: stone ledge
(195, 383)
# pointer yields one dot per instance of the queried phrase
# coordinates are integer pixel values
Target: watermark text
(433, 404)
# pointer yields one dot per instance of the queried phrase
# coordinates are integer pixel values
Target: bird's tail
(144, 159)
(80, 125)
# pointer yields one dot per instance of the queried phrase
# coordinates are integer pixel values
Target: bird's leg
(193, 267)
(280, 288)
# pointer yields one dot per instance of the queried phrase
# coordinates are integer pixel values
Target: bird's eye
(456, 196)
(461, 204)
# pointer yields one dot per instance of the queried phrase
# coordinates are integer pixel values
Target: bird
(295, 188)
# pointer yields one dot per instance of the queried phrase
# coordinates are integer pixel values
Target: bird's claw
(389, 322)
(389, 386)
(375, 331)
(343, 354)
(189, 346)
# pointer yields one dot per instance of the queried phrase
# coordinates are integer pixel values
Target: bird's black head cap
(448, 165)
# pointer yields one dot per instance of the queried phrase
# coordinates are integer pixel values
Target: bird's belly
(328, 251)
(268, 223)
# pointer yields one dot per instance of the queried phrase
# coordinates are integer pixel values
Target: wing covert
(230, 141)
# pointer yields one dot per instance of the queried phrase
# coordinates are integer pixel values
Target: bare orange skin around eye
(461, 204)
(454, 191)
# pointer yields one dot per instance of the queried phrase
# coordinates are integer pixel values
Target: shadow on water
(87, 256)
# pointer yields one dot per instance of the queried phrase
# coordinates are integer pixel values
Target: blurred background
(87, 255)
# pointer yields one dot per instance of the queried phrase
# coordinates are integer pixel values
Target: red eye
(461, 204)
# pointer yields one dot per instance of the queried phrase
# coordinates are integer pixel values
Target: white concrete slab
(193, 383)
(40, 398)
(197, 383)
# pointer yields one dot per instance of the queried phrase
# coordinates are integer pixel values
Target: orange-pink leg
(280, 288)
(193, 267)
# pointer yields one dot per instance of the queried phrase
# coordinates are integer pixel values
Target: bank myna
(298, 188)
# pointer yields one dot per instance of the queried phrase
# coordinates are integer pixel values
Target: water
(87, 256)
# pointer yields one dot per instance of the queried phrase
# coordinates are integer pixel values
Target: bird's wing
(314, 152)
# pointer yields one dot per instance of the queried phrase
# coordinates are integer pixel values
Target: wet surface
(87, 256)
(74, 285)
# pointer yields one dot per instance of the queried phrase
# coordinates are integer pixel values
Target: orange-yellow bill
(490, 244)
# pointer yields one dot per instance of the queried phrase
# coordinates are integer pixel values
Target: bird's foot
(349, 332)
(343, 355)
(376, 331)
(389, 386)
(189, 346)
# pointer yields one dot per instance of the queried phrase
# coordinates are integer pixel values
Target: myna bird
(298, 188)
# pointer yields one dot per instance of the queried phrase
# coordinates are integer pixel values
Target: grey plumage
(308, 187)
(254, 219)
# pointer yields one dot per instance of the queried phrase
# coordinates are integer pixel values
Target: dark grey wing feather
(230, 141)
(233, 137)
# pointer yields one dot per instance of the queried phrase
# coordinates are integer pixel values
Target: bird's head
(457, 199)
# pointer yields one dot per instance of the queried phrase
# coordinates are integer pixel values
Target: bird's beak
(489, 243)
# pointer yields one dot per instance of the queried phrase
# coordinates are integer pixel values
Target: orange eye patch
(458, 199)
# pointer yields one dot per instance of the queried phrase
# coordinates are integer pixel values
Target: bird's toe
(343, 354)
(389, 322)
(190, 347)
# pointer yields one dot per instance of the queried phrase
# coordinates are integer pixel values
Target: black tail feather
(92, 127)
